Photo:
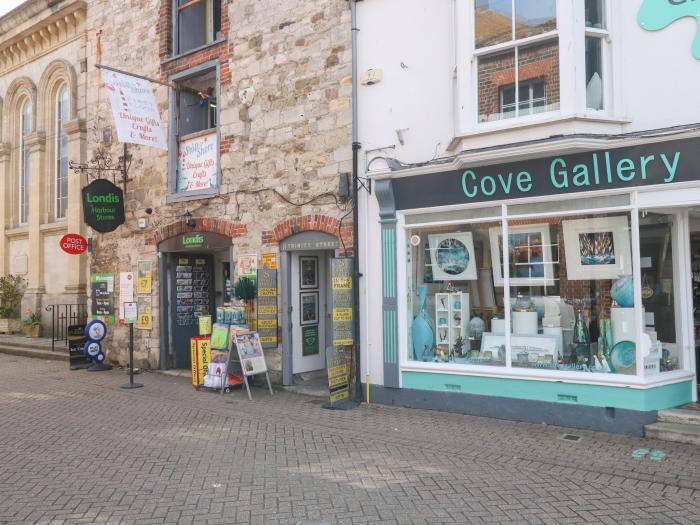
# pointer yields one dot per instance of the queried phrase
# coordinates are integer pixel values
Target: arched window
(24, 129)
(61, 163)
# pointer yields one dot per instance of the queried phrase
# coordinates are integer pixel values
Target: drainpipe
(355, 192)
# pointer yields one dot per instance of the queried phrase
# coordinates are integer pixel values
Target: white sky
(8, 5)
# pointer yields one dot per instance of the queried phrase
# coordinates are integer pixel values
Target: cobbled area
(75, 448)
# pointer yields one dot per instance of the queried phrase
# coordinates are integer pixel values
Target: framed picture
(308, 308)
(530, 253)
(597, 248)
(250, 352)
(452, 256)
(308, 272)
(538, 348)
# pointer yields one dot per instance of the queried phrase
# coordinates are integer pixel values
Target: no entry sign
(73, 243)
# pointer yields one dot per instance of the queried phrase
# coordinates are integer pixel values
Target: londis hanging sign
(103, 206)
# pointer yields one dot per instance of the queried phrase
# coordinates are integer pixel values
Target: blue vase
(622, 291)
(422, 330)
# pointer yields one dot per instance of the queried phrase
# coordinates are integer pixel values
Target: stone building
(42, 116)
(269, 83)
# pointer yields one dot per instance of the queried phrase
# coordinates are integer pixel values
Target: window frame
(175, 26)
(59, 135)
(173, 136)
(24, 165)
(604, 36)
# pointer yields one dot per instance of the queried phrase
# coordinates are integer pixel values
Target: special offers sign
(103, 206)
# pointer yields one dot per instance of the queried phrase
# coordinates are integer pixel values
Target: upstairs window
(197, 23)
(61, 181)
(516, 44)
(196, 134)
(596, 38)
(24, 175)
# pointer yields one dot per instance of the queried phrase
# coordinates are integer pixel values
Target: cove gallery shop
(557, 289)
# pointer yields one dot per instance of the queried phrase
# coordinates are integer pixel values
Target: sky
(8, 5)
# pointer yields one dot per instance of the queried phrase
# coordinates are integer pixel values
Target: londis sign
(195, 240)
(103, 206)
(661, 163)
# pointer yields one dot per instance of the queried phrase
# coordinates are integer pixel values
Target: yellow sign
(200, 357)
(340, 395)
(144, 320)
(268, 340)
(342, 314)
(267, 292)
(268, 309)
(267, 323)
(143, 277)
(268, 261)
(342, 283)
(342, 342)
(183, 262)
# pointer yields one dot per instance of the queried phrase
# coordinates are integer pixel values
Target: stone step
(29, 342)
(679, 415)
(61, 353)
(676, 432)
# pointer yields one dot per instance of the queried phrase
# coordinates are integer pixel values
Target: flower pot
(32, 330)
(10, 326)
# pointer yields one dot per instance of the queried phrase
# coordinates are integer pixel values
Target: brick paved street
(74, 448)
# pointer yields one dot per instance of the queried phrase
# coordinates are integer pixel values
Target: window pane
(658, 297)
(572, 297)
(594, 14)
(534, 18)
(191, 24)
(493, 22)
(451, 296)
(25, 128)
(538, 77)
(594, 73)
(61, 186)
(496, 77)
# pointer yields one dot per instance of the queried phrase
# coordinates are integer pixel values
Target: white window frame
(209, 28)
(641, 198)
(59, 209)
(606, 50)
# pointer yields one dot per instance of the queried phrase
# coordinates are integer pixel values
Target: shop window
(24, 173)
(61, 161)
(596, 36)
(197, 23)
(196, 134)
(565, 283)
(516, 76)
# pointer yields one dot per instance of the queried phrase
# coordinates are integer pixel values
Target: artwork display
(530, 255)
(452, 256)
(308, 272)
(250, 352)
(308, 308)
(597, 248)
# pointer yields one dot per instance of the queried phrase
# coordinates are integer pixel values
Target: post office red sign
(73, 243)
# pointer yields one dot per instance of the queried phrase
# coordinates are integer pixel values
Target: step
(61, 353)
(676, 432)
(679, 415)
(29, 342)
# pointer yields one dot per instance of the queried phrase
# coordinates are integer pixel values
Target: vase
(622, 291)
(582, 339)
(476, 326)
(422, 330)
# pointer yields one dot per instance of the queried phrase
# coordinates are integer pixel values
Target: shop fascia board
(592, 378)
(520, 152)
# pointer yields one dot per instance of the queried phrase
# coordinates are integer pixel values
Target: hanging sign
(103, 206)
(267, 308)
(197, 167)
(341, 280)
(73, 244)
(134, 109)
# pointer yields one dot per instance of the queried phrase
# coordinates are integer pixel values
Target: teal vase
(422, 330)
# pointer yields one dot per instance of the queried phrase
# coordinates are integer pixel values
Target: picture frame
(597, 248)
(540, 345)
(530, 248)
(308, 272)
(250, 352)
(308, 308)
(452, 256)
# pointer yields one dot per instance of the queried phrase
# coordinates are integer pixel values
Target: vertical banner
(134, 109)
(103, 297)
(267, 308)
(343, 326)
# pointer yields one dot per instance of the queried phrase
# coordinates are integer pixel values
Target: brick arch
(206, 225)
(308, 223)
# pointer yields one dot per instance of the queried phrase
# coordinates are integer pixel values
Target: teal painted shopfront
(559, 289)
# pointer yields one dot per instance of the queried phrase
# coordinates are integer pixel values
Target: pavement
(75, 448)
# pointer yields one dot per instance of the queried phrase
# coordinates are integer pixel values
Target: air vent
(570, 437)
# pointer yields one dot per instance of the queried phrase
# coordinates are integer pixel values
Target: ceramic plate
(623, 357)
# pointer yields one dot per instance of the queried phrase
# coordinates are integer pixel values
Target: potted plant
(32, 324)
(11, 292)
(246, 290)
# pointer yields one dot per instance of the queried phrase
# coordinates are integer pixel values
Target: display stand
(252, 359)
(451, 320)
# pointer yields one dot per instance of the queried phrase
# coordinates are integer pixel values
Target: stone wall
(289, 145)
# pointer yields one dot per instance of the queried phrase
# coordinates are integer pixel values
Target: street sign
(103, 206)
(73, 244)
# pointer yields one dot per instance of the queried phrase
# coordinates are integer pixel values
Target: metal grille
(63, 316)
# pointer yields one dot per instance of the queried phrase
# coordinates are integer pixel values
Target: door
(309, 311)
(192, 295)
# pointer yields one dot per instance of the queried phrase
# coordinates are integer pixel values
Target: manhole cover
(313, 522)
(570, 437)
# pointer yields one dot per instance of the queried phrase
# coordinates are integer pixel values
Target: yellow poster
(203, 357)
(143, 277)
(342, 314)
(193, 361)
(268, 261)
(144, 320)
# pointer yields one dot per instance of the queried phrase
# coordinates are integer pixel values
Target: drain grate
(571, 437)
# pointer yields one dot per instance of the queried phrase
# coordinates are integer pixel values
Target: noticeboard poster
(102, 285)
(250, 352)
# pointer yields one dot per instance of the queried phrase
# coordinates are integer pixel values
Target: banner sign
(103, 206)
(659, 163)
(103, 297)
(134, 109)
(197, 167)
(343, 325)
(267, 308)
